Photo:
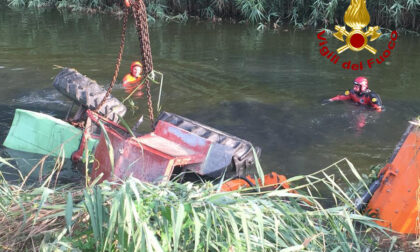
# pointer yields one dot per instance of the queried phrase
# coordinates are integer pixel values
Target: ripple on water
(42, 98)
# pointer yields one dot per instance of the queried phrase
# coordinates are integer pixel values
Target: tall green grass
(136, 216)
(404, 14)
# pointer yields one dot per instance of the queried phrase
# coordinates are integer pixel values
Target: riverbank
(136, 216)
(390, 15)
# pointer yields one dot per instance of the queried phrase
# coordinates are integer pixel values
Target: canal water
(262, 86)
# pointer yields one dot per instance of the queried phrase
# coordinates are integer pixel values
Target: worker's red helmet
(363, 82)
(134, 64)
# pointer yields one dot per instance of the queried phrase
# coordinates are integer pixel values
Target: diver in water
(133, 79)
(360, 94)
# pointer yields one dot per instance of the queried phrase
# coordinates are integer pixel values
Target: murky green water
(265, 87)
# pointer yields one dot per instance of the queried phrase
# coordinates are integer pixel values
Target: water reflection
(265, 87)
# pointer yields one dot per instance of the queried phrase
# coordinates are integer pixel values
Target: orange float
(271, 181)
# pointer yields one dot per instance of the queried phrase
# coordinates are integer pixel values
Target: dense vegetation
(136, 216)
(390, 14)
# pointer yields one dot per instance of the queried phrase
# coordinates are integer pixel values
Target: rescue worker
(360, 94)
(133, 79)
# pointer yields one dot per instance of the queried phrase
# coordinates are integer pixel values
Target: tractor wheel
(86, 92)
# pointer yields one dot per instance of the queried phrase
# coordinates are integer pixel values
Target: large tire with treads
(86, 92)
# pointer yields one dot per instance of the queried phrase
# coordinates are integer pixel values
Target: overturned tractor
(176, 143)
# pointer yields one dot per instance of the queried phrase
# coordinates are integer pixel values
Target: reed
(135, 216)
(402, 14)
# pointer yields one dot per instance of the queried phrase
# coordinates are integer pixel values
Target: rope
(117, 65)
(140, 85)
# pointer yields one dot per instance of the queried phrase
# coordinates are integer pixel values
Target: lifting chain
(117, 65)
(140, 18)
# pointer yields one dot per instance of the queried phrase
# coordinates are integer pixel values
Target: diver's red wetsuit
(368, 98)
